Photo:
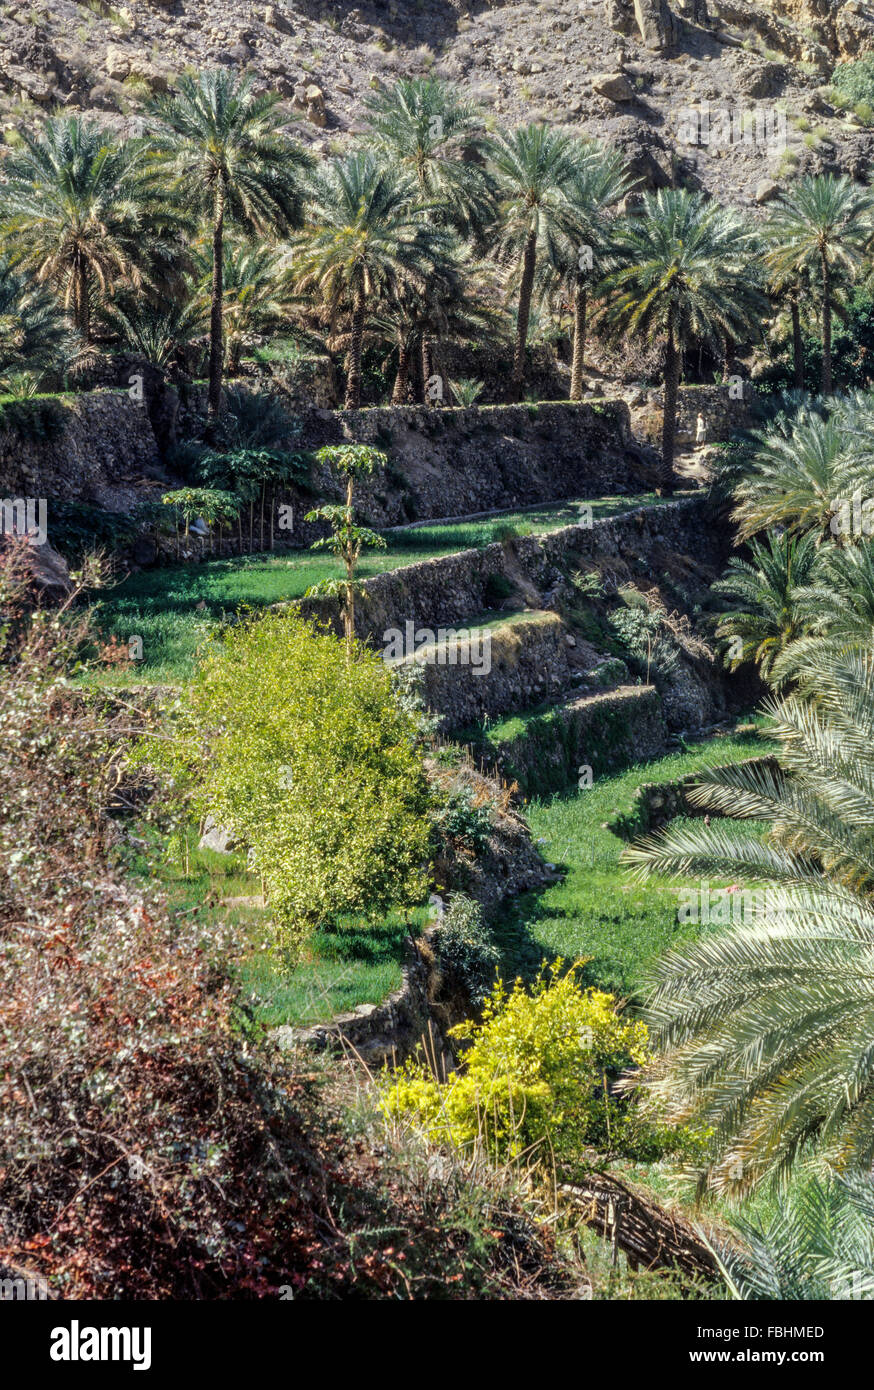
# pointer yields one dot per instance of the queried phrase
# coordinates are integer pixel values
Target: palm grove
(217, 225)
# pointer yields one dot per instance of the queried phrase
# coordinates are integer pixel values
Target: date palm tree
(77, 209)
(582, 245)
(35, 333)
(535, 167)
(684, 273)
(824, 225)
(221, 151)
(426, 128)
(816, 1242)
(455, 300)
(789, 280)
(802, 465)
(156, 331)
(835, 610)
(256, 295)
(767, 619)
(365, 238)
(765, 1027)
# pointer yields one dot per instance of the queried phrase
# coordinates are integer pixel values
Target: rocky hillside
(627, 71)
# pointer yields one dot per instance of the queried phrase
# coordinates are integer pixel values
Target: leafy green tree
(825, 225)
(535, 167)
(347, 539)
(365, 239)
(685, 274)
(310, 760)
(765, 1027)
(213, 505)
(221, 152)
(766, 618)
(77, 208)
(35, 334)
(538, 1080)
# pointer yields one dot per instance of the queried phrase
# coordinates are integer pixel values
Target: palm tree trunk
(524, 313)
(427, 355)
(81, 301)
(216, 325)
(669, 424)
(402, 379)
(580, 307)
(797, 346)
(353, 375)
(349, 611)
(826, 328)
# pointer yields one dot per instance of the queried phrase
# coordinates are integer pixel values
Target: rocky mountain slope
(628, 71)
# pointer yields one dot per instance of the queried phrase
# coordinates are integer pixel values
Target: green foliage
(216, 507)
(466, 391)
(78, 528)
(352, 460)
(537, 1076)
(32, 420)
(765, 618)
(35, 334)
(465, 952)
(855, 81)
(460, 817)
(645, 641)
(309, 759)
(816, 1243)
(766, 1026)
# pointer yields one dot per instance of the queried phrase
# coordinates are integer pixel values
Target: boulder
(619, 15)
(767, 190)
(117, 62)
(613, 85)
(315, 105)
(216, 838)
(275, 18)
(656, 23)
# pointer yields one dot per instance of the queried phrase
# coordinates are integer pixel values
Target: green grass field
(177, 610)
(597, 910)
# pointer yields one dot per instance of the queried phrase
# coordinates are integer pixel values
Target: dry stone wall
(101, 445)
(444, 592)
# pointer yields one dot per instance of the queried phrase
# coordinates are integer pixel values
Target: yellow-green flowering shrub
(536, 1077)
(310, 760)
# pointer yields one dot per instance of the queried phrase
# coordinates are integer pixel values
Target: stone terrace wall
(452, 462)
(654, 804)
(603, 732)
(104, 443)
(446, 462)
(446, 591)
(527, 661)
